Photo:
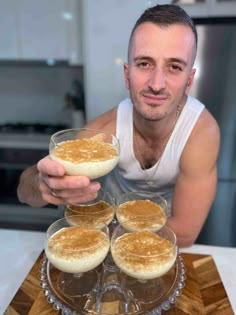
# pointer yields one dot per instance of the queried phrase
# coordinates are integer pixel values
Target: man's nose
(157, 80)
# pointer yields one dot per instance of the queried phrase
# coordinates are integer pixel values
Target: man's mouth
(154, 98)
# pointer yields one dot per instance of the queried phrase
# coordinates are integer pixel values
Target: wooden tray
(203, 293)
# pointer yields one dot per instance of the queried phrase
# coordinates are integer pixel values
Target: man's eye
(175, 68)
(143, 64)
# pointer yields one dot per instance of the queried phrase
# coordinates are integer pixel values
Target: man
(169, 141)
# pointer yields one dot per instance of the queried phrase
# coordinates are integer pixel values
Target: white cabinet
(42, 29)
(222, 8)
(195, 9)
(39, 30)
(208, 8)
(8, 30)
(74, 31)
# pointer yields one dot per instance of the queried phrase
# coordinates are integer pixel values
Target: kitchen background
(61, 64)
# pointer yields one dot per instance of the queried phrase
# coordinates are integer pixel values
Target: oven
(22, 145)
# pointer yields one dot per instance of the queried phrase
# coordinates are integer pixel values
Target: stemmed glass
(144, 256)
(82, 151)
(102, 208)
(142, 204)
(76, 251)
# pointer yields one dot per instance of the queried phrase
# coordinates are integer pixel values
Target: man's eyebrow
(148, 58)
(143, 57)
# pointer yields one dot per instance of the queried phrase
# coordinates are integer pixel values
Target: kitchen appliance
(22, 145)
(214, 85)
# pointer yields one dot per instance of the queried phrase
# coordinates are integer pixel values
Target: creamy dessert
(143, 255)
(101, 210)
(77, 249)
(154, 216)
(86, 157)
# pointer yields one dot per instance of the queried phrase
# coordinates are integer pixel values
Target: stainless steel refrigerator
(215, 86)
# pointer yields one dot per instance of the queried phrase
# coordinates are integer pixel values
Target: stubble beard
(148, 115)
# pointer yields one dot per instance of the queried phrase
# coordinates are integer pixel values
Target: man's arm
(196, 184)
(27, 189)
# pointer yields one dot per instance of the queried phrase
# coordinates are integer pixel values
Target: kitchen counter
(20, 249)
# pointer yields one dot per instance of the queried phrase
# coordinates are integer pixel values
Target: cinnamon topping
(84, 150)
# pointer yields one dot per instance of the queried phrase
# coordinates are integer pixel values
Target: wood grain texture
(203, 293)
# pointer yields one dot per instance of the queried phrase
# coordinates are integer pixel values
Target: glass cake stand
(113, 303)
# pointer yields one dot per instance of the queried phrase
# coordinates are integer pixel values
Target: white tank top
(128, 175)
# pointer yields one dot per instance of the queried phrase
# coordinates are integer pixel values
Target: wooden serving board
(203, 293)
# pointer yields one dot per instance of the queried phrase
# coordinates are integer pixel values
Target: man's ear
(126, 75)
(190, 80)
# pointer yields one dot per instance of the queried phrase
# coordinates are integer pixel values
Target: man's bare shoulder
(202, 148)
(105, 122)
(207, 128)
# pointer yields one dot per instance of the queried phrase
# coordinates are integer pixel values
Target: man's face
(159, 72)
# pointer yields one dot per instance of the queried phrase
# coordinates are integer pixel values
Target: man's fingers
(46, 165)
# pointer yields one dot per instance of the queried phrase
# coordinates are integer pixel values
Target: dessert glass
(133, 206)
(76, 251)
(144, 256)
(82, 151)
(102, 208)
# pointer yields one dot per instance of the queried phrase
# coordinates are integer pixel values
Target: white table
(20, 249)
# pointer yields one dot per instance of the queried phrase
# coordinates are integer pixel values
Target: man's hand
(47, 182)
(58, 188)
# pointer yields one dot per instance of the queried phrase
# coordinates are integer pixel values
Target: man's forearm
(28, 188)
(183, 235)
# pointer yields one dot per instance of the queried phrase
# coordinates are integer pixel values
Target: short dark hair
(165, 15)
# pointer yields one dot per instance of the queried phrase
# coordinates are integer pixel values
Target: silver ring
(53, 193)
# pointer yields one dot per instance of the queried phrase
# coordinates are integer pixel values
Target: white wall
(34, 93)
